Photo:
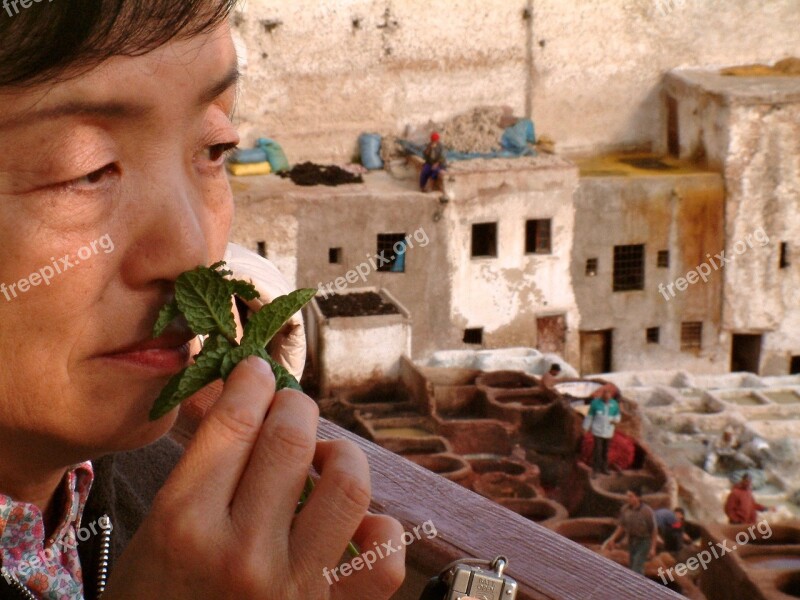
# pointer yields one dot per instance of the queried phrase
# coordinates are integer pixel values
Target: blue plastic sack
(370, 147)
(275, 155)
(247, 156)
(530, 130)
(515, 138)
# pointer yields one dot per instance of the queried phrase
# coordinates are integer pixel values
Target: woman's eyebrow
(113, 109)
(223, 85)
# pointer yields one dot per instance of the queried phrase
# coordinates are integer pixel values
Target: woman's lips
(167, 354)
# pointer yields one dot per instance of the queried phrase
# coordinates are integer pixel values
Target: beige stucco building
(609, 260)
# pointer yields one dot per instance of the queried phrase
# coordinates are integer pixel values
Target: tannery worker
(601, 420)
(637, 521)
(741, 507)
(435, 162)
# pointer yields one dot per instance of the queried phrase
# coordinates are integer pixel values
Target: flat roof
(735, 89)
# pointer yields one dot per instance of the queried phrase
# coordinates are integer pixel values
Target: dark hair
(680, 510)
(555, 367)
(58, 40)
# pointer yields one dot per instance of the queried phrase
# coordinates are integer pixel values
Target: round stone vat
(618, 484)
(759, 535)
(450, 466)
(588, 532)
(498, 465)
(505, 380)
(499, 485)
(540, 510)
(380, 399)
(528, 405)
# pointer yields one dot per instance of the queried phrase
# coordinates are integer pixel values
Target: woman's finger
(279, 466)
(221, 448)
(379, 570)
(337, 506)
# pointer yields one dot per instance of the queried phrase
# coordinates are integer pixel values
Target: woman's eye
(218, 152)
(95, 177)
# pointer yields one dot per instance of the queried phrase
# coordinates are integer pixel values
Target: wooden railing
(546, 565)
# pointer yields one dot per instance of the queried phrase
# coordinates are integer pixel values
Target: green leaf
(237, 355)
(204, 298)
(244, 289)
(262, 326)
(164, 402)
(192, 379)
(283, 379)
(169, 312)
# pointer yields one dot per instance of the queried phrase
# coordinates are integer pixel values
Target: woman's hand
(224, 525)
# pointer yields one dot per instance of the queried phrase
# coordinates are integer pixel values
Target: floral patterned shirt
(50, 569)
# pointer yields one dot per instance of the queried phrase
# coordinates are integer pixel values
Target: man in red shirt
(741, 507)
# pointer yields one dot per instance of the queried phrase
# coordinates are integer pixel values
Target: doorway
(745, 353)
(551, 334)
(596, 351)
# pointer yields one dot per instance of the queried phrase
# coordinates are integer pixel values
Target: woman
(115, 124)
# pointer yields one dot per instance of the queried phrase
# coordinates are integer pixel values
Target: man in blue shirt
(601, 419)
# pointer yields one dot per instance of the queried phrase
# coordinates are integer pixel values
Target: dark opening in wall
(653, 335)
(473, 336)
(484, 240)
(794, 366)
(392, 247)
(261, 248)
(662, 262)
(591, 267)
(628, 268)
(691, 335)
(537, 236)
(785, 262)
(335, 256)
(673, 128)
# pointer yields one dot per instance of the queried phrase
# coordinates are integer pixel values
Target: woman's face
(111, 185)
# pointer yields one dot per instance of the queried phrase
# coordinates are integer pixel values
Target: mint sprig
(203, 297)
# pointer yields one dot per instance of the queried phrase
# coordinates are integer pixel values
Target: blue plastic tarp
(514, 144)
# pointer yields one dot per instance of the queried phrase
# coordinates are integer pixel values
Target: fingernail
(259, 363)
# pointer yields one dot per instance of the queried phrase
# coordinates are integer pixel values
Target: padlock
(466, 579)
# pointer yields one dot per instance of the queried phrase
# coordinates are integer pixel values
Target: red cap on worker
(434, 137)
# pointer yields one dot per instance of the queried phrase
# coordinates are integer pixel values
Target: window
(473, 336)
(537, 236)
(335, 256)
(794, 366)
(784, 264)
(662, 262)
(628, 268)
(261, 248)
(653, 334)
(591, 267)
(691, 335)
(392, 252)
(484, 240)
